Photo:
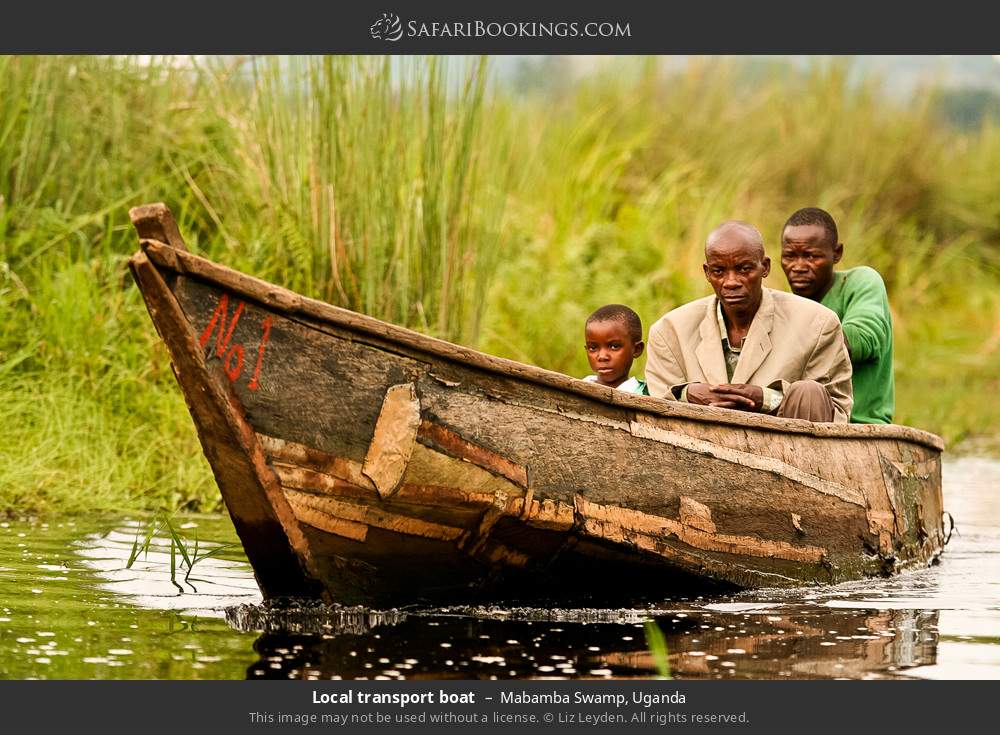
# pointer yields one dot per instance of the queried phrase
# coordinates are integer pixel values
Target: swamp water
(70, 609)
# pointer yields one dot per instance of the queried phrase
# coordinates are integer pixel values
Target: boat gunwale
(288, 302)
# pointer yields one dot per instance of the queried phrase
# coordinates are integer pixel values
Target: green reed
(657, 643)
(188, 550)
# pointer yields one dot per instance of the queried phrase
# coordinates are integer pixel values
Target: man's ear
(838, 252)
(767, 266)
(637, 348)
(704, 268)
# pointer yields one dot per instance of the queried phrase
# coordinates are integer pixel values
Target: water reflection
(212, 585)
(786, 642)
(806, 644)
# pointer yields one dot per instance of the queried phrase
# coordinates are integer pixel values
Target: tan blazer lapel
(757, 344)
(709, 350)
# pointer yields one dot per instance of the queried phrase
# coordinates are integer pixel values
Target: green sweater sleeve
(867, 321)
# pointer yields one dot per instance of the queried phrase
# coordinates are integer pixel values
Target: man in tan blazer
(748, 347)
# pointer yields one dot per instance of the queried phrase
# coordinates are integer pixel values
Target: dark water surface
(70, 609)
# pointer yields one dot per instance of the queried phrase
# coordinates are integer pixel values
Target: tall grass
(370, 183)
(420, 191)
(89, 420)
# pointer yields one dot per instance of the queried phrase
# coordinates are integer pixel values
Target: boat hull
(364, 463)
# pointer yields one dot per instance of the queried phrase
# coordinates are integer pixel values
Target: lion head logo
(387, 28)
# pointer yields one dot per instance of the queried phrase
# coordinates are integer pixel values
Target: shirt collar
(629, 385)
(723, 332)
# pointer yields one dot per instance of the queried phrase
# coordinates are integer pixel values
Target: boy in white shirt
(613, 336)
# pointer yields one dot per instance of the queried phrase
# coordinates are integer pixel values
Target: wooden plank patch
(392, 442)
(326, 522)
(547, 514)
(697, 515)
(309, 458)
(433, 468)
(448, 442)
(304, 468)
(370, 516)
(618, 524)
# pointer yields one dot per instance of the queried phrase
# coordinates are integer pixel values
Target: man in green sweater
(810, 247)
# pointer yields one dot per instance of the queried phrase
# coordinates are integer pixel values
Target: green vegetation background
(419, 191)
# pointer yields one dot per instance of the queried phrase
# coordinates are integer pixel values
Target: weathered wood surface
(398, 464)
(295, 305)
(156, 222)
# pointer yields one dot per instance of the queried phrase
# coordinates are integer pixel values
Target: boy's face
(611, 351)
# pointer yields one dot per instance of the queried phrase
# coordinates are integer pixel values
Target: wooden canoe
(366, 463)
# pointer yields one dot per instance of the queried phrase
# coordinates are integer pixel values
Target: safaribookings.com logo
(387, 28)
(390, 28)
